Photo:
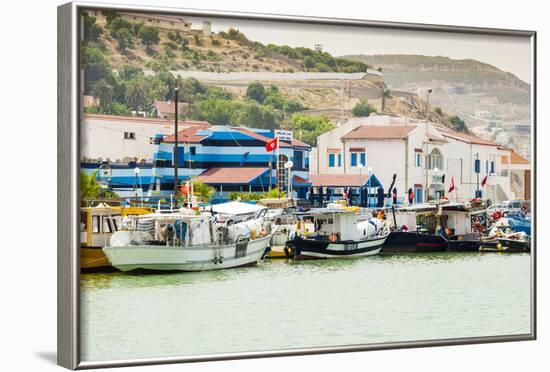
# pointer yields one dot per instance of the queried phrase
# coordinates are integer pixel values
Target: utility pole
(176, 93)
(477, 169)
(427, 141)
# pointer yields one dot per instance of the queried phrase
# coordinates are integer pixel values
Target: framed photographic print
(237, 185)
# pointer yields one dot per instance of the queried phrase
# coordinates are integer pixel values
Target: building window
(418, 195)
(435, 160)
(486, 166)
(331, 160)
(129, 135)
(492, 166)
(298, 160)
(339, 160)
(418, 160)
(193, 150)
(363, 159)
(353, 159)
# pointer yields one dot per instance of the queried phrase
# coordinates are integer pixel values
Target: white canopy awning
(236, 208)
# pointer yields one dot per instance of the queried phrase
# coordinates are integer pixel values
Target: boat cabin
(335, 224)
(452, 218)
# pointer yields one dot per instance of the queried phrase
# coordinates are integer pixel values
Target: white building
(122, 138)
(418, 153)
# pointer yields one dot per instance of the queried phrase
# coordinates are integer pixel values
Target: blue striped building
(228, 158)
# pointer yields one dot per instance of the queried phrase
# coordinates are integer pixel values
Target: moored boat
(97, 225)
(338, 234)
(188, 242)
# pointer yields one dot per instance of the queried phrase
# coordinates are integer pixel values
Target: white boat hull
(190, 258)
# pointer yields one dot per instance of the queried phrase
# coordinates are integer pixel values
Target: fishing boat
(339, 233)
(415, 231)
(501, 238)
(97, 225)
(188, 241)
(286, 224)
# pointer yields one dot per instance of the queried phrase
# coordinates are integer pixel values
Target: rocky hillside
(459, 86)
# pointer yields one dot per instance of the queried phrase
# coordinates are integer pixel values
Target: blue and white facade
(237, 153)
(227, 158)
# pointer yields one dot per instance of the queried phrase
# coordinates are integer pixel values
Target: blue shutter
(353, 159)
(339, 160)
(331, 160)
(363, 159)
(492, 167)
(477, 166)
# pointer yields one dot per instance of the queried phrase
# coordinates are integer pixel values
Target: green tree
(124, 38)
(215, 111)
(92, 31)
(458, 124)
(110, 16)
(256, 91)
(105, 92)
(95, 68)
(203, 191)
(119, 23)
(362, 108)
(438, 110)
(309, 127)
(149, 36)
(90, 188)
(129, 72)
(137, 92)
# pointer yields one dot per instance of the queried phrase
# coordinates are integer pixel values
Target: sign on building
(283, 135)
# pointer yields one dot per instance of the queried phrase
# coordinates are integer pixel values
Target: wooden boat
(97, 225)
(338, 234)
(188, 242)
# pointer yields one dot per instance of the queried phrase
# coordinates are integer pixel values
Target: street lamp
(288, 165)
(137, 172)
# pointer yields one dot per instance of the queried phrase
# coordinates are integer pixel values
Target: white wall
(102, 138)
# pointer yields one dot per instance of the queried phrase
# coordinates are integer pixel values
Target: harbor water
(283, 305)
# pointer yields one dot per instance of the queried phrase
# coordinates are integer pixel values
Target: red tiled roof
(380, 132)
(298, 179)
(336, 180)
(515, 158)
(468, 138)
(230, 175)
(167, 107)
(189, 134)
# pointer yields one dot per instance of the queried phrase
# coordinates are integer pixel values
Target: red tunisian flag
(484, 181)
(272, 145)
(452, 187)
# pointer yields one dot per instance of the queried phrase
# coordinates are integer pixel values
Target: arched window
(435, 160)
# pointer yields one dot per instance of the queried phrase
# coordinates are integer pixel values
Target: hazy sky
(512, 54)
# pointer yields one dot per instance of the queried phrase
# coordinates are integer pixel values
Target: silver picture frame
(68, 203)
